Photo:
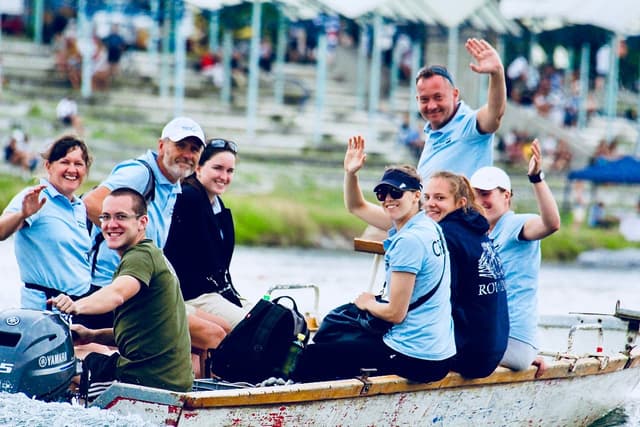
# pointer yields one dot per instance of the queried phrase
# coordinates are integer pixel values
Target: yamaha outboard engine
(36, 354)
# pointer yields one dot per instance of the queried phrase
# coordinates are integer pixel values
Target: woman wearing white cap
(517, 239)
(420, 343)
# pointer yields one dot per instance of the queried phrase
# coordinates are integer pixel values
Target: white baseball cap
(181, 128)
(490, 177)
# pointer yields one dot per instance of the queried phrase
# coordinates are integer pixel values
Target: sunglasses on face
(224, 144)
(396, 194)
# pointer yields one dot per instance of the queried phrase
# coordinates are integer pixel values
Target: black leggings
(329, 361)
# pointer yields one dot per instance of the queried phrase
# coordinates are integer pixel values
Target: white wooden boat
(573, 391)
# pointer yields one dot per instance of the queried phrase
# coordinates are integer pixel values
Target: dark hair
(434, 70)
(139, 204)
(460, 187)
(61, 147)
(215, 146)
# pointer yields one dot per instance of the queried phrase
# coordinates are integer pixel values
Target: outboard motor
(36, 354)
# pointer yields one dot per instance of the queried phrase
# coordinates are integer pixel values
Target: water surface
(341, 275)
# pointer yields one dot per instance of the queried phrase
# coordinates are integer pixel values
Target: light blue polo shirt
(52, 250)
(521, 264)
(457, 147)
(133, 174)
(427, 331)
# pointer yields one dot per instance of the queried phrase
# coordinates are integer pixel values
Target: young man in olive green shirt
(150, 325)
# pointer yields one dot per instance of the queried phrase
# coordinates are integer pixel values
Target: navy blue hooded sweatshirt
(478, 295)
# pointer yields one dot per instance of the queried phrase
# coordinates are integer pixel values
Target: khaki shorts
(216, 304)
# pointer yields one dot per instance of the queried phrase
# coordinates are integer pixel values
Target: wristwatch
(534, 179)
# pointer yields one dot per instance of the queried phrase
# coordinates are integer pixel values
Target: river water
(340, 275)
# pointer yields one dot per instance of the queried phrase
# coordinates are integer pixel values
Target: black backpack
(258, 346)
(149, 195)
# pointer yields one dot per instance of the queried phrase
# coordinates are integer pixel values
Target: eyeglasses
(224, 144)
(119, 217)
(382, 192)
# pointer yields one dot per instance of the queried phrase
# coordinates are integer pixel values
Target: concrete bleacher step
(279, 128)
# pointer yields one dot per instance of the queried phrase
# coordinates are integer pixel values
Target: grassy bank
(307, 215)
(567, 244)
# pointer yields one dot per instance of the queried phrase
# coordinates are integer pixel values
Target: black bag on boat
(347, 323)
(258, 346)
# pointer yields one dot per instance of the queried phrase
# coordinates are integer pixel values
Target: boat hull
(570, 392)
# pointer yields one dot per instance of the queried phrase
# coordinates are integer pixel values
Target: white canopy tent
(12, 7)
(619, 16)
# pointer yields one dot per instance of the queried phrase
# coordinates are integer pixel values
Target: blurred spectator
(578, 210)
(601, 153)
(613, 149)
(100, 68)
(239, 69)
(211, 67)
(602, 60)
(572, 104)
(54, 23)
(266, 55)
(17, 151)
(297, 46)
(515, 146)
(562, 156)
(631, 114)
(410, 137)
(115, 45)
(521, 81)
(605, 151)
(69, 61)
(406, 57)
(67, 114)
(549, 102)
(598, 216)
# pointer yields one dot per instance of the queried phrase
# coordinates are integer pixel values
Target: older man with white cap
(179, 149)
(517, 240)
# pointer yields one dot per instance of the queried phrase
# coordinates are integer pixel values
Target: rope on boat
(574, 358)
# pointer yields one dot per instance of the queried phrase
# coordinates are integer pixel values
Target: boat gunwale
(390, 384)
(355, 388)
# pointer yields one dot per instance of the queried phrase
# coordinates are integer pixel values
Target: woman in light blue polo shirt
(420, 344)
(52, 242)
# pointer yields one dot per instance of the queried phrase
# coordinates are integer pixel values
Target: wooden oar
(374, 247)
(370, 246)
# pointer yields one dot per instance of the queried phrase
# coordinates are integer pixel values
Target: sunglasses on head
(441, 71)
(224, 144)
(382, 192)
